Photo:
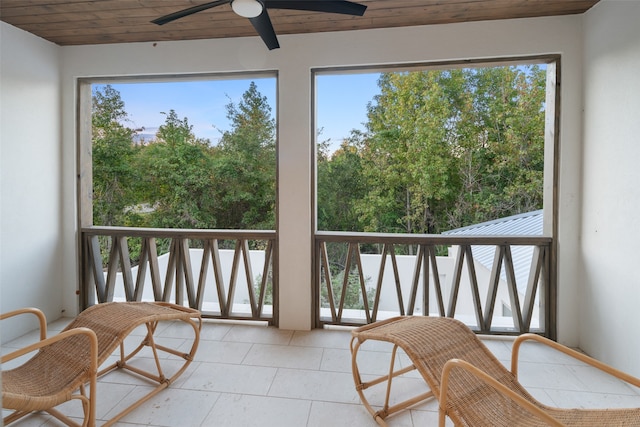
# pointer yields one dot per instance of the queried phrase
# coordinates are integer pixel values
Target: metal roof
(526, 224)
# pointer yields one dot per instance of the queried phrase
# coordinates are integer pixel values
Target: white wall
(610, 283)
(297, 56)
(30, 173)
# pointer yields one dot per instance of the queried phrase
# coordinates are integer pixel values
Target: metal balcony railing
(134, 264)
(507, 286)
(495, 284)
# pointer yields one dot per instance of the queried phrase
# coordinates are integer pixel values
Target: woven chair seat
(64, 364)
(472, 386)
(49, 378)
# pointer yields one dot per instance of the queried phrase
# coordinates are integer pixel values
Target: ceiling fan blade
(330, 6)
(263, 26)
(190, 11)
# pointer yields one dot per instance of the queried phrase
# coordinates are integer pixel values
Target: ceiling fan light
(247, 8)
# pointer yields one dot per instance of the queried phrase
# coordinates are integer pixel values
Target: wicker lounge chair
(472, 387)
(63, 365)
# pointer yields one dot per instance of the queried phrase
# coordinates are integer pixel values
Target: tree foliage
(340, 183)
(178, 177)
(244, 166)
(177, 180)
(442, 149)
(113, 154)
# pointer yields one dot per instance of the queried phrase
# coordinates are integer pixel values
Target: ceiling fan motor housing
(247, 8)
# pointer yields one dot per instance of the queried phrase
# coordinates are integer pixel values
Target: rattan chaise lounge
(472, 387)
(65, 364)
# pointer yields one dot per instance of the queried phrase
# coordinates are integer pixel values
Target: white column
(294, 198)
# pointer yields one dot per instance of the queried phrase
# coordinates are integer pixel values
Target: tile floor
(252, 375)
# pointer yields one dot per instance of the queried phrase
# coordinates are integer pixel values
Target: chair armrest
(81, 373)
(492, 382)
(570, 352)
(93, 345)
(30, 310)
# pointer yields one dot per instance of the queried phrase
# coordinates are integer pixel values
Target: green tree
(245, 165)
(411, 168)
(178, 179)
(443, 149)
(340, 183)
(114, 173)
(502, 144)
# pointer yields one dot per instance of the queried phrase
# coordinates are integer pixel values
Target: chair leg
(68, 421)
(387, 410)
(14, 416)
(163, 382)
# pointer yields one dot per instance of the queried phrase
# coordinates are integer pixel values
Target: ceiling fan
(256, 11)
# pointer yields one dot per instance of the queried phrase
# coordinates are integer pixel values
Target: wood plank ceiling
(81, 22)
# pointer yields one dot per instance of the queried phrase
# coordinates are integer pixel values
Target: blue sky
(202, 102)
(342, 101)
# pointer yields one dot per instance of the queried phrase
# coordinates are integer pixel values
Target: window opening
(449, 149)
(178, 190)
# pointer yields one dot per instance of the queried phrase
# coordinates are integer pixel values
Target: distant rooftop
(526, 224)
